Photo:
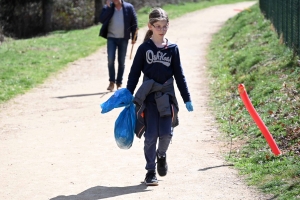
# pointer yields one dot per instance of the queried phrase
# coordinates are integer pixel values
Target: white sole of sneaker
(151, 184)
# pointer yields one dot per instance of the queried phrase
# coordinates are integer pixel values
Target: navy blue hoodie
(158, 64)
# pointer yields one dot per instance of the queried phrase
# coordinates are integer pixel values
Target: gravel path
(55, 144)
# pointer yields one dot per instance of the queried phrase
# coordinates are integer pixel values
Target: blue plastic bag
(120, 98)
(124, 127)
(125, 123)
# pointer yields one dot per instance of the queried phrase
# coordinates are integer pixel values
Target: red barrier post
(257, 119)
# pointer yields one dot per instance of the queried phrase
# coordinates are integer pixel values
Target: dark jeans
(158, 130)
(112, 45)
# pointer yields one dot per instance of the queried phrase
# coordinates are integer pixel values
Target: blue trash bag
(124, 127)
(120, 98)
(125, 123)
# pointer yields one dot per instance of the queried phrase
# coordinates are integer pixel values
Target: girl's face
(159, 28)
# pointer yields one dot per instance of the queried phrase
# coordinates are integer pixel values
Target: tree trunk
(1, 35)
(47, 15)
(98, 7)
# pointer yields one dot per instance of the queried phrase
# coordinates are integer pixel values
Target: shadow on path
(82, 95)
(207, 168)
(102, 192)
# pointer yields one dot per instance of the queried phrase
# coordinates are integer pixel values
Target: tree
(47, 15)
(98, 7)
(1, 36)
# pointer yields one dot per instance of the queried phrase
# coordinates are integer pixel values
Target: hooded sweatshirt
(159, 64)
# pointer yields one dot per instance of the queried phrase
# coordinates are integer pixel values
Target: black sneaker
(151, 179)
(162, 166)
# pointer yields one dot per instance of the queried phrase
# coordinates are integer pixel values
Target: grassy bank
(248, 51)
(26, 63)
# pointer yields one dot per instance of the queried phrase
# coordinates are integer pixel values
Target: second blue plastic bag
(124, 127)
(125, 123)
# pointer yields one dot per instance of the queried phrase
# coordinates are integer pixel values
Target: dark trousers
(114, 44)
(158, 130)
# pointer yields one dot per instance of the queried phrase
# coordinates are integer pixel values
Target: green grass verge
(247, 51)
(26, 63)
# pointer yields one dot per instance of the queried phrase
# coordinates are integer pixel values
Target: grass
(248, 51)
(24, 64)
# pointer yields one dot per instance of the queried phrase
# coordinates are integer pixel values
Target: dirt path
(55, 143)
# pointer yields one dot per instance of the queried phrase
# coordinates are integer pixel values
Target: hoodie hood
(169, 44)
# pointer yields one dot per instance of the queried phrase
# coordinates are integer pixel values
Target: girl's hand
(189, 106)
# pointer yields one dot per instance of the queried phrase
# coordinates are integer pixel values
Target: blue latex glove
(189, 106)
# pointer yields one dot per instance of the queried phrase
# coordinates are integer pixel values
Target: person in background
(155, 100)
(119, 24)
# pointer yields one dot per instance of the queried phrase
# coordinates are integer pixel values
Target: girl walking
(155, 100)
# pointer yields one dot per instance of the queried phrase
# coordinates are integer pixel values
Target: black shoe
(151, 179)
(162, 166)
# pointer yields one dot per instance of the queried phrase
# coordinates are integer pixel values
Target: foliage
(69, 15)
(245, 51)
(24, 19)
(248, 51)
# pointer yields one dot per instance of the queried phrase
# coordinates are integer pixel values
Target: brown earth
(55, 143)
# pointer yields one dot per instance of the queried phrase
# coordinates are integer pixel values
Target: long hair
(157, 14)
